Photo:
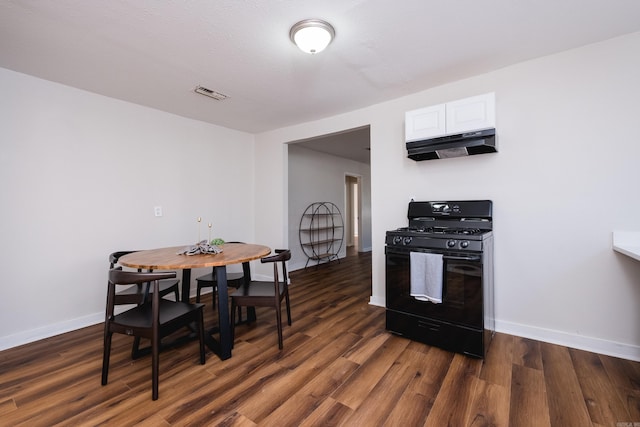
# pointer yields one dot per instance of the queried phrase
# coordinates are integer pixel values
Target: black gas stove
(457, 238)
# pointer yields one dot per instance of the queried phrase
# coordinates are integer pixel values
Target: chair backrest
(121, 277)
(117, 277)
(141, 293)
(114, 257)
(281, 256)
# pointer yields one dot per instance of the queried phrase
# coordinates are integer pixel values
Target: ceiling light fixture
(312, 35)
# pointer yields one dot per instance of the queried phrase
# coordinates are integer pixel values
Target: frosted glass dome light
(312, 35)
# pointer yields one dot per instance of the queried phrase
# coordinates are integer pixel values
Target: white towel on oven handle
(426, 276)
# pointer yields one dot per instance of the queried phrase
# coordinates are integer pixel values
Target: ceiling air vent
(210, 93)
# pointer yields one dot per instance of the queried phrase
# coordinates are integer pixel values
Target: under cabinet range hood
(459, 145)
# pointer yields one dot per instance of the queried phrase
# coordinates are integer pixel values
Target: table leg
(223, 313)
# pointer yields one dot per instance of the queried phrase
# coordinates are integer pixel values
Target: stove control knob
(406, 240)
(464, 244)
(451, 243)
(397, 240)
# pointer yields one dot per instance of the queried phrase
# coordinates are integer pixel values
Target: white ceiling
(154, 53)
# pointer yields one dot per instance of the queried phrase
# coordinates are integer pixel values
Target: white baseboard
(48, 331)
(595, 345)
(380, 302)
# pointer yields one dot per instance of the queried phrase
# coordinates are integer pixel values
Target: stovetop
(458, 231)
(451, 225)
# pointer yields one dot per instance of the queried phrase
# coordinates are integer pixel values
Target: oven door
(462, 301)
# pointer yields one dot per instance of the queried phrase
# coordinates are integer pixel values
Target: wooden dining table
(171, 258)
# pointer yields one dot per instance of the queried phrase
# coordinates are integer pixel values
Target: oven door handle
(461, 258)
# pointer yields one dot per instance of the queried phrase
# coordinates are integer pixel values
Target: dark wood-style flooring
(339, 367)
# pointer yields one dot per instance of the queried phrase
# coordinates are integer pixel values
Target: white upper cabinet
(475, 113)
(425, 123)
(464, 115)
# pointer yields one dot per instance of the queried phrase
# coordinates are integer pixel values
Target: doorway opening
(353, 212)
(317, 171)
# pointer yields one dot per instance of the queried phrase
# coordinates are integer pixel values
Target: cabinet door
(475, 113)
(425, 123)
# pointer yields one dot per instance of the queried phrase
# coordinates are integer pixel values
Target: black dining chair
(266, 293)
(138, 293)
(152, 319)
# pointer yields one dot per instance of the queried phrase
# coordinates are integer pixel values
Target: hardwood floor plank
(497, 364)
(356, 389)
(566, 401)
(625, 378)
(526, 352)
(632, 403)
(213, 409)
(362, 353)
(623, 373)
(369, 322)
(489, 405)
(7, 406)
(73, 406)
(339, 366)
(329, 413)
(381, 401)
(331, 342)
(453, 403)
(601, 399)
(320, 324)
(276, 392)
(528, 405)
(413, 407)
(302, 404)
(153, 421)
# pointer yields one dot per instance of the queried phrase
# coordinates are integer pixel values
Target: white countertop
(628, 243)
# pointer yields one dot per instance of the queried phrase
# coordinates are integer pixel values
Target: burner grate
(443, 230)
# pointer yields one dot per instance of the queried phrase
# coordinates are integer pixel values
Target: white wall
(79, 177)
(319, 177)
(563, 180)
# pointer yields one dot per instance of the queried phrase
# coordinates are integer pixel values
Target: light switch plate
(157, 211)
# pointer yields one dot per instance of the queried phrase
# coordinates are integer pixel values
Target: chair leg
(198, 293)
(135, 348)
(105, 357)
(177, 294)
(200, 323)
(155, 367)
(233, 321)
(279, 324)
(286, 298)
